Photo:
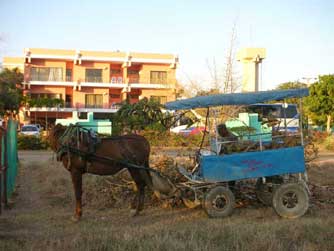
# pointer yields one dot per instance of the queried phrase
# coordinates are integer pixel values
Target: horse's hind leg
(137, 204)
(77, 185)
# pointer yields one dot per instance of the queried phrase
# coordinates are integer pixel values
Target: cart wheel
(219, 202)
(290, 200)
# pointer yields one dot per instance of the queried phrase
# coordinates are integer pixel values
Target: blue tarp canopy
(235, 99)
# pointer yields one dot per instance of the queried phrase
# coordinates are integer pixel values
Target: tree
(320, 103)
(145, 114)
(222, 79)
(225, 80)
(291, 85)
(10, 91)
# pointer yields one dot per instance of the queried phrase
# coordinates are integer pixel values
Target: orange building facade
(92, 81)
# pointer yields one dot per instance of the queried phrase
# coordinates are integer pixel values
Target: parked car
(31, 130)
(40, 128)
(186, 130)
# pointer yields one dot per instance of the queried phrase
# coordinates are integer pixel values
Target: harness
(71, 139)
(70, 144)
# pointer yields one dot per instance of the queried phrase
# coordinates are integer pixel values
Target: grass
(40, 220)
(198, 234)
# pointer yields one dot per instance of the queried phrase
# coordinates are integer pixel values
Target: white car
(39, 127)
(31, 130)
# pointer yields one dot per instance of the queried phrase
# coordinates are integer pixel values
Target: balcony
(112, 109)
(97, 81)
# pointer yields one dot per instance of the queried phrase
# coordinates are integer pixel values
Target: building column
(125, 80)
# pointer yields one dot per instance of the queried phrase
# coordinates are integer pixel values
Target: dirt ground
(41, 208)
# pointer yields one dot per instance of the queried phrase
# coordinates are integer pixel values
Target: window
(68, 75)
(94, 75)
(46, 74)
(161, 99)
(158, 77)
(94, 100)
(68, 101)
(133, 76)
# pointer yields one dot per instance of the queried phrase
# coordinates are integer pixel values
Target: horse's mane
(55, 133)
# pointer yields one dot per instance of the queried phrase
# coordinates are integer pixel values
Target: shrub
(25, 142)
(329, 143)
(318, 136)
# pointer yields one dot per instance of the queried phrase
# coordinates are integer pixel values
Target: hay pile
(118, 191)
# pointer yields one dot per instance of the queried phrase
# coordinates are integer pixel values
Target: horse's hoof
(133, 212)
(75, 218)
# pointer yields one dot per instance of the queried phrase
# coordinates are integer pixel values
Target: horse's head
(55, 133)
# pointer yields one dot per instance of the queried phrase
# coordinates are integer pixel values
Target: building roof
(112, 56)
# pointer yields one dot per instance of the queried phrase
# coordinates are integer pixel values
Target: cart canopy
(235, 99)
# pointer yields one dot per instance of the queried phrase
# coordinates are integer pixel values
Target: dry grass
(40, 220)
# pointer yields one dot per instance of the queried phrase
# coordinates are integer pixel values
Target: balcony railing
(133, 80)
(93, 106)
(94, 79)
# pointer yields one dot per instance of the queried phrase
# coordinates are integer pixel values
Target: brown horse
(134, 149)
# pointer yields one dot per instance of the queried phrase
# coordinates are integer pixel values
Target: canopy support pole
(206, 124)
(301, 121)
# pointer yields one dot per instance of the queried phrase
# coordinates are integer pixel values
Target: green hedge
(25, 142)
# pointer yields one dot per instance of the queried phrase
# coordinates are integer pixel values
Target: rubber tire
(302, 198)
(210, 198)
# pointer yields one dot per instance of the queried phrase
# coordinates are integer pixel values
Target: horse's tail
(146, 175)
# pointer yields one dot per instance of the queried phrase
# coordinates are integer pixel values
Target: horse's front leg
(77, 185)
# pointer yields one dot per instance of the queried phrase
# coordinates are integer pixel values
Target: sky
(297, 34)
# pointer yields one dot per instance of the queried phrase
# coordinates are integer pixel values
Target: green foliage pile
(27, 142)
(10, 91)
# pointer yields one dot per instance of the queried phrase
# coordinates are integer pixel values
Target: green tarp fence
(12, 157)
(9, 158)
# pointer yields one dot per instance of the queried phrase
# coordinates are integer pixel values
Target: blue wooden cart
(279, 173)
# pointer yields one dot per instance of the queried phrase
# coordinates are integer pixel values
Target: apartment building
(92, 81)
